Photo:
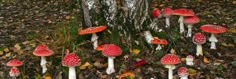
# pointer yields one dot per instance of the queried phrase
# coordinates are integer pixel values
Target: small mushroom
(14, 72)
(189, 60)
(199, 39)
(182, 12)
(156, 13)
(14, 63)
(43, 51)
(93, 31)
(111, 51)
(167, 12)
(190, 21)
(71, 60)
(213, 29)
(159, 42)
(183, 73)
(170, 60)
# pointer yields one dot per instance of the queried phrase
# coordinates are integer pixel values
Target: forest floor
(25, 24)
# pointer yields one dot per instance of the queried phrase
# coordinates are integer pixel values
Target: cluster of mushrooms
(187, 17)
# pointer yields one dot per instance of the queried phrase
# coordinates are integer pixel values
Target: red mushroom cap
(92, 30)
(199, 38)
(167, 12)
(170, 59)
(159, 41)
(14, 63)
(190, 56)
(42, 50)
(111, 50)
(183, 12)
(14, 72)
(191, 20)
(182, 71)
(156, 13)
(215, 29)
(70, 59)
(99, 48)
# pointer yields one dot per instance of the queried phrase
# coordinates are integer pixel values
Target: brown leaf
(128, 74)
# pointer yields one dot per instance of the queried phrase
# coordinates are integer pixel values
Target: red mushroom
(111, 51)
(183, 73)
(169, 61)
(199, 39)
(14, 63)
(93, 31)
(159, 42)
(14, 72)
(43, 51)
(71, 60)
(190, 21)
(156, 14)
(167, 12)
(182, 13)
(189, 60)
(213, 29)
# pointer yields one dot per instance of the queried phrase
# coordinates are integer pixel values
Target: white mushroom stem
(199, 50)
(110, 68)
(167, 22)
(181, 24)
(43, 64)
(72, 73)
(213, 41)
(94, 40)
(189, 34)
(158, 47)
(189, 61)
(148, 36)
(184, 77)
(170, 71)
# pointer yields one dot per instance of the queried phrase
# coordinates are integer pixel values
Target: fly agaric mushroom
(71, 60)
(159, 42)
(111, 51)
(199, 39)
(156, 14)
(93, 31)
(182, 13)
(43, 51)
(213, 29)
(14, 72)
(183, 73)
(190, 21)
(167, 12)
(169, 61)
(189, 60)
(14, 63)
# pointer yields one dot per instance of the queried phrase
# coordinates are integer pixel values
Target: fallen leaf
(135, 51)
(140, 63)
(1, 52)
(17, 46)
(48, 77)
(172, 51)
(128, 74)
(192, 72)
(85, 66)
(6, 50)
(99, 65)
(205, 60)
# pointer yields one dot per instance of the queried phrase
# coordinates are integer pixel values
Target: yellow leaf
(127, 74)
(85, 66)
(48, 77)
(205, 60)
(17, 46)
(192, 72)
(1, 52)
(135, 51)
(232, 30)
(6, 50)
